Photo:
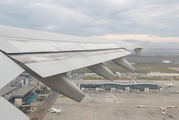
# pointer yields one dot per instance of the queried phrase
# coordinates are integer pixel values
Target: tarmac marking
(152, 114)
(87, 113)
(66, 113)
(149, 109)
(124, 112)
(112, 115)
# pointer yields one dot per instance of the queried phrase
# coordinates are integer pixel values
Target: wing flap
(52, 66)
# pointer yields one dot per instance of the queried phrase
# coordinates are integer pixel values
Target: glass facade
(132, 86)
(108, 86)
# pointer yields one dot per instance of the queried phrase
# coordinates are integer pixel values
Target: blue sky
(154, 20)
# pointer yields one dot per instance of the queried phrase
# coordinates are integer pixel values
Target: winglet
(139, 47)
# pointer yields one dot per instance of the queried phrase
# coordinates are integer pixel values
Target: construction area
(120, 105)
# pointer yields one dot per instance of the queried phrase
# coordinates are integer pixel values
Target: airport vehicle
(170, 84)
(172, 106)
(99, 89)
(53, 110)
(141, 106)
(48, 56)
(164, 113)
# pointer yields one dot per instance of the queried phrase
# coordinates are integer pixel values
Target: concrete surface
(95, 106)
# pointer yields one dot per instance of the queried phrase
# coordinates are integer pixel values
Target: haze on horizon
(137, 20)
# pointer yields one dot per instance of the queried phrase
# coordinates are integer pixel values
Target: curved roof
(101, 83)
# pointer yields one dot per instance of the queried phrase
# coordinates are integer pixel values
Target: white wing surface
(10, 112)
(48, 56)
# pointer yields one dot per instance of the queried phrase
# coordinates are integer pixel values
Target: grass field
(26, 112)
(34, 119)
(140, 68)
(41, 111)
(146, 68)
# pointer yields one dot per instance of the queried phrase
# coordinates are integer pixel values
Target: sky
(131, 20)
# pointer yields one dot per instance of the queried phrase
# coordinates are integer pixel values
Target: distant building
(132, 63)
(167, 62)
(91, 75)
(18, 102)
(21, 93)
(26, 79)
(118, 74)
(6, 90)
(163, 75)
(21, 83)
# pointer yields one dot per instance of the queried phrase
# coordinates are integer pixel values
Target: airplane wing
(48, 56)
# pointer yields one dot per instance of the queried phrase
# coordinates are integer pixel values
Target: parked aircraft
(164, 113)
(170, 84)
(53, 110)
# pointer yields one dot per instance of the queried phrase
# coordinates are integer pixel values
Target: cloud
(50, 27)
(154, 38)
(138, 19)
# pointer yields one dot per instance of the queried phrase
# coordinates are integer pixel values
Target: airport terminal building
(22, 93)
(121, 85)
